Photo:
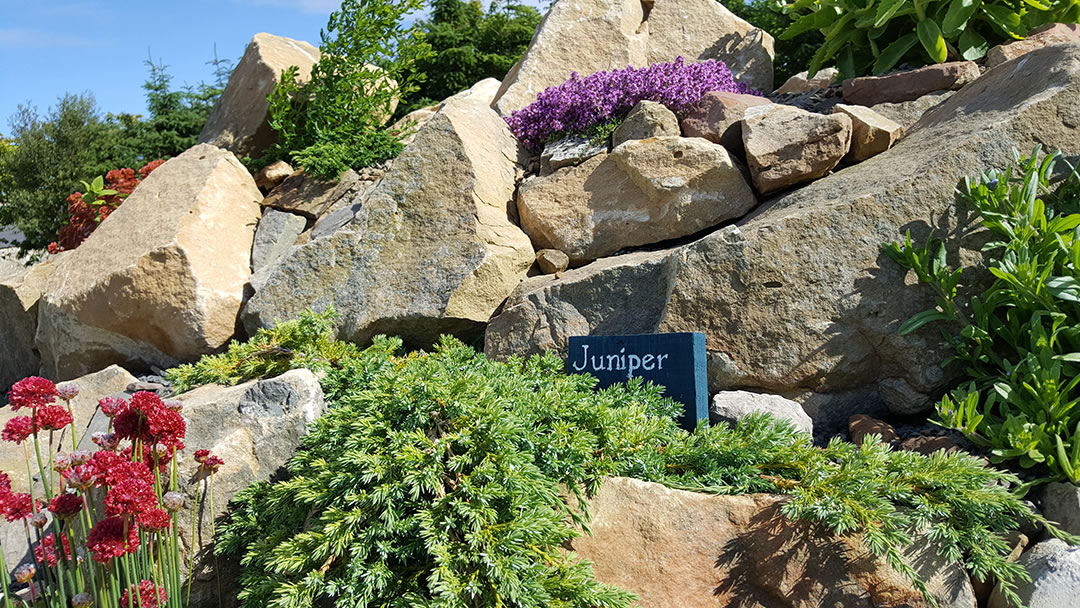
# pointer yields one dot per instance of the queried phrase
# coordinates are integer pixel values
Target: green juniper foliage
(437, 479)
(1019, 342)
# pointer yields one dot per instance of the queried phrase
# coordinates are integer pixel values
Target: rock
(797, 297)
(911, 85)
(647, 119)
(644, 192)
(338, 216)
(786, 146)
(569, 152)
(1051, 33)
(871, 133)
(238, 121)
(802, 83)
(732, 406)
(275, 235)
(432, 249)
(862, 425)
(273, 174)
(1061, 503)
(310, 196)
(20, 293)
(484, 91)
(552, 261)
(687, 549)
(903, 398)
(983, 589)
(718, 118)
(163, 279)
(907, 113)
(1054, 567)
(620, 34)
(929, 445)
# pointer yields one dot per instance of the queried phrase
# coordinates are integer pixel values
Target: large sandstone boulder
(645, 191)
(20, 290)
(678, 548)
(160, 281)
(594, 35)
(431, 250)
(797, 297)
(238, 121)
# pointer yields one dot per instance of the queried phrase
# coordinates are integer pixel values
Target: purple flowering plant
(581, 103)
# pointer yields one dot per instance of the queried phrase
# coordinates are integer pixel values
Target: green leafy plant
(792, 54)
(335, 121)
(438, 479)
(873, 36)
(1019, 341)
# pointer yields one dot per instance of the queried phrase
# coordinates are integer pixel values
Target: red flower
(150, 166)
(45, 551)
(107, 541)
(155, 519)
(18, 506)
(53, 417)
(130, 497)
(150, 596)
(18, 429)
(201, 455)
(66, 505)
(147, 418)
(111, 406)
(32, 392)
(212, 464)
(5, 484)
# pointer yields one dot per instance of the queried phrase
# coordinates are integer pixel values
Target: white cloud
(22, 38)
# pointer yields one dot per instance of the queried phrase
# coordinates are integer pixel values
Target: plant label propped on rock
(675, 361)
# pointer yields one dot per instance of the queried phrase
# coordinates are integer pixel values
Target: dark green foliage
(792, 55)
(335, 121)
(468, 46)
(1019, 341)
(437, 480)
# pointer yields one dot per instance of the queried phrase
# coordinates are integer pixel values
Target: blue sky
(49, 47)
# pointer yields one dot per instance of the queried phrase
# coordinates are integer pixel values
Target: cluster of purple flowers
(580, 103)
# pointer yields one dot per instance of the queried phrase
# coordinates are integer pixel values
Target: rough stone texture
(552, 261)
(273, 174)
(862, 425)
(163, 279)
(718, 118)
(310, 196)
(797, 296)
(871, 133)
(569, 152)
(238, 121)
(1051, 33)
(20, 292)
(786, 146)
(1061, 503)
(484, 91)
(593, 35)
(431, 250)
(644, 192)
(929, 445)
(1054, 567)
(911, 85)
(732, 406)
(802, 83)
(647, 119)
(692, 550)
(275, 235)
(907, 113)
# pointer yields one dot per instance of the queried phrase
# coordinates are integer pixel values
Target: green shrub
(864, 36)
(436, 479)
(1018, 342)
(335, 121)
(793, 54)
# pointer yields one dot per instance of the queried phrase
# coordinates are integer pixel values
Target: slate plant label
(675, 361)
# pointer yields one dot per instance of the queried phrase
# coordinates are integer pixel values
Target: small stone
(802, 83)
(1054, 567)
(911, 85)
(137, 387)
(861, 425)
(1051, 33)
(717, 118)
(647, 119)
(273, 174)
(871, 133)
(1018, 541)
(732, 406)
(569, 152)
(786, 146)
(552, 261)
(274, 236)
(310, 196)
(929, 445)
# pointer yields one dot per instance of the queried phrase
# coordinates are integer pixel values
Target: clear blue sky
(50, 47)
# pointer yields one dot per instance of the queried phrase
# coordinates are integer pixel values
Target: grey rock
(1061, 503)
(21, 288)
(1054, 567)
(337, 218)
(907, 113)
(647, 119)
(569, 152)
(274, 236)
(732, 406)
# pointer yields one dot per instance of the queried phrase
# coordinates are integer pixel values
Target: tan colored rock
(162, 279)
(484, 91)
(692, 550)
(310, 196)
(861, 425)
(431, 249)
(593, 35)
(802, 83)
(645, 191)
(786, 146)
(929, 445)
(718, 118)
(20, 292)
(552, 261)
(646, 119)
(273, 174)
(238, 121)
(871, 133)
(911, 85)
(1051, 33)
(907, 113)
